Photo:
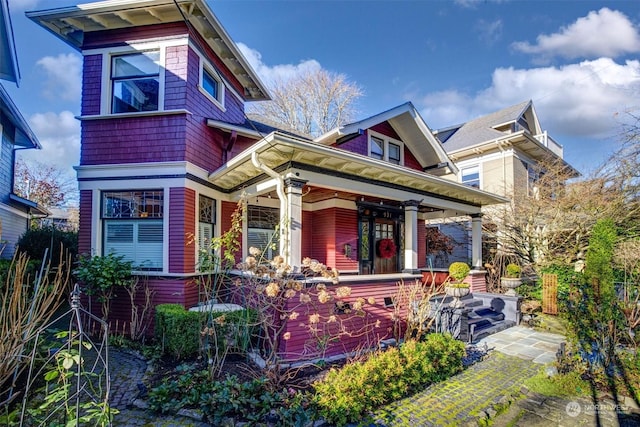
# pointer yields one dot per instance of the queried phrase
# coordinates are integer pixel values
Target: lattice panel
(550, 293)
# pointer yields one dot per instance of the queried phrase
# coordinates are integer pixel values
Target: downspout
(284, 204)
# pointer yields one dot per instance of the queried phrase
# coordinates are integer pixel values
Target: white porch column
(476, 241)
(293, 253)
(411, 236)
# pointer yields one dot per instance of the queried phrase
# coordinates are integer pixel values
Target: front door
(386, 247)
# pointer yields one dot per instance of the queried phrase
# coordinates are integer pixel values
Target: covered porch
(358, 214)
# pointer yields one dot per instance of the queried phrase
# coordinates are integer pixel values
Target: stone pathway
(526, 343)
(542, 411)
(127, 371)
(464, 399)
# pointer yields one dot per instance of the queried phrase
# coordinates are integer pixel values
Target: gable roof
(481, 129)
(412, 130)
(8, 59)
(71, 23)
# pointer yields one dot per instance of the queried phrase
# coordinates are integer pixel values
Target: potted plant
(455, 286)
(511, 280)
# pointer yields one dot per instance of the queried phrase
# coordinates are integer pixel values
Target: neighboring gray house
(15, 211)
(498, 153)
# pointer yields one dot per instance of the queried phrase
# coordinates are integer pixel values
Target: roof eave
(73, 35)
(275, 140)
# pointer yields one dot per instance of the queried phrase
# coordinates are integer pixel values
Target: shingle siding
(182, 225)
(84, 230)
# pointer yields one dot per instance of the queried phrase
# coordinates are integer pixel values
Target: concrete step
(486, 329)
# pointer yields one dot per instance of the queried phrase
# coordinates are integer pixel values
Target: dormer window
(385, 148)
(135, 82)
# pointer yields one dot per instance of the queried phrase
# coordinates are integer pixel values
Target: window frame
(478, 179)
(386, 140)
(158, 217)
(206, 67)
(114, 79)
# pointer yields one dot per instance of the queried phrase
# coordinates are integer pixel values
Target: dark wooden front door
(385, 229)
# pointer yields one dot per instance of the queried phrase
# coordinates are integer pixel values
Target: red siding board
(422, 244)
(84, 230)
(181, 228)
(386, 129)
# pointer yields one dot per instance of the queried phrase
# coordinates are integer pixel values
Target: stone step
(485, 313)
(486, 329)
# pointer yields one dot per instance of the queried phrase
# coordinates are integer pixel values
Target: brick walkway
(465, 398)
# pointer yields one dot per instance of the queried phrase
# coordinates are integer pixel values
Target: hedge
(182, 333)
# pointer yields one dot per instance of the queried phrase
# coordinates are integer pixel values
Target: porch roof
(277, 150)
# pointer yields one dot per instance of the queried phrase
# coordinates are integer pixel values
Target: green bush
(567, 277)
(513, 271)
(33, 269)
(180, 331)
(459, 270)
(347, 395)
(35, 241)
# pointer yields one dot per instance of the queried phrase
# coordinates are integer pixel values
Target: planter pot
(511, 283)
(456, 293)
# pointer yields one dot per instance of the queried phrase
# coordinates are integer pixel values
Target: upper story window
(133, 226)
(471, 176)
(135, 82)
(211, 84)
(385, 148)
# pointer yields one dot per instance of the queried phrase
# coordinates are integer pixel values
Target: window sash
(471, 176)
(138, 241)
(377, 148)
(210, 84)
(135, 82)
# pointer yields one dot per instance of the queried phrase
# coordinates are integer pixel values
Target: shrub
(35, 241)
(513, 271)
(102, 275)
(346, 395)
(459, 270)
(180, 331)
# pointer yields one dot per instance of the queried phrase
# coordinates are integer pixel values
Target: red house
(167, 152)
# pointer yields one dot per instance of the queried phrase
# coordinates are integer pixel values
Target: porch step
(485, 321)
(490, 329)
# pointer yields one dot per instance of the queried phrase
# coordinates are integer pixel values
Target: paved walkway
(526, 343)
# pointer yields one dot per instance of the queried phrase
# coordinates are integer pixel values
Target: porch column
(476, 241)
(411, 236)
(293, 252)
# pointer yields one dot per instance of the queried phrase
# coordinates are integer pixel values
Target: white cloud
(577, 100)
(490, 32)
(59, 135)
(603, 33)
(64, 76)
(274, 73)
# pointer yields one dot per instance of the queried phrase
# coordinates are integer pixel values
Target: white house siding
(14, 224)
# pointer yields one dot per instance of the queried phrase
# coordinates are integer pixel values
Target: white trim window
(133, 226)
(211, 84)
(385, 148)
(470, 176)
(135, 82)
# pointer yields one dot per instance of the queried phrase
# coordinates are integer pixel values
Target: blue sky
(455, 60)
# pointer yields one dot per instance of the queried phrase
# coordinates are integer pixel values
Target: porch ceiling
(277, 150)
